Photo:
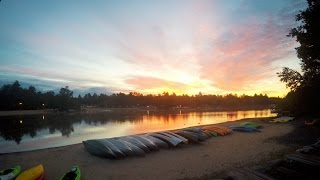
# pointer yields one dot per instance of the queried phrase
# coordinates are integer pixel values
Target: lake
(31, 132)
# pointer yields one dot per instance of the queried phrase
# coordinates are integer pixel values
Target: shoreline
(26, 112)
(209, 159)
(122, 110)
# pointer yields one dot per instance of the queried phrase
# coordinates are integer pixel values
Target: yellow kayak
(32, 174)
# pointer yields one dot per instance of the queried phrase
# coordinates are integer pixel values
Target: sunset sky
(149, 46)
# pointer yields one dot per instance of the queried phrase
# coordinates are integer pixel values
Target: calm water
(24, 133)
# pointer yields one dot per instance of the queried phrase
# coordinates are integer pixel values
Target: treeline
(14, 97)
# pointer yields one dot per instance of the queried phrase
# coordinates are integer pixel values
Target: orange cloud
(151, 84)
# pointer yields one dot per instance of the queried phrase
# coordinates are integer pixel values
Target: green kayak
(9, 174)
(251, 124)
(73, 174)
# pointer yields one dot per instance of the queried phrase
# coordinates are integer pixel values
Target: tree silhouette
(305, 87)
(65, 98)
(14, 97)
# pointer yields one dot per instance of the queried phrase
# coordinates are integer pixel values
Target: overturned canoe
(184, 140)
(171, 136)
(136, 142)
(135, 149)
(122, 146)
(158, 142)
(198, 132)
(114, 148)
(194, 130)
(169, 140)
(190, 136)
(96, 148)
(210, 133)
(219, 131)
(150, 144)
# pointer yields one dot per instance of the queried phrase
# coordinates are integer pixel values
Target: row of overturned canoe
(138, 145)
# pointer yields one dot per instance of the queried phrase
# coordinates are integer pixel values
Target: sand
(209, 159)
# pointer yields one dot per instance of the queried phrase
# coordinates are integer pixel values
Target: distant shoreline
(26, 112)
(94, 110)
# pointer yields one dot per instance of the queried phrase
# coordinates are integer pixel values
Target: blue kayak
(244, 129)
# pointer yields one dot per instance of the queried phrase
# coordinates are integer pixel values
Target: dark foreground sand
(210, 159)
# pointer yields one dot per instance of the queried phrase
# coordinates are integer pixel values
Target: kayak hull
(33, 173)
(150, 144)
(97, 148)
(10, 174)
(191, 137)
(168, 140)
(73, 174)
(160, 143)
(136, 142)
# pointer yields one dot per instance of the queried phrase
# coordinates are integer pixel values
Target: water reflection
(21, 133)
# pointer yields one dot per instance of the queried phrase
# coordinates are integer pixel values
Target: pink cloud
(245, 53)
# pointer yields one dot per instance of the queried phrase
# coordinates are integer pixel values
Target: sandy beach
(210, 159)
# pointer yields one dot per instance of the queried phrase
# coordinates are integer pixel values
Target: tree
(65, 98)
(292, 78)
(305, 87)
(66, 92)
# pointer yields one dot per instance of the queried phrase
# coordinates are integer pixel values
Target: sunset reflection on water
(151, 123)
(38, 132)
